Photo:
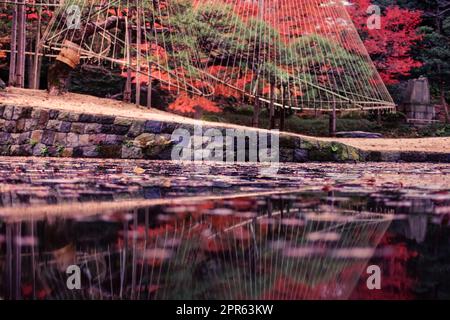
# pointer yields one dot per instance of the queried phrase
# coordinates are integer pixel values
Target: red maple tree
(187, 104)
(390, 45)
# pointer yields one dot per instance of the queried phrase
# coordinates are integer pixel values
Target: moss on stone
(287, 141)
(321, 154)
(152, 144)
(308, 144)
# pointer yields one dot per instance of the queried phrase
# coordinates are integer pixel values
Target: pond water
(166, 230)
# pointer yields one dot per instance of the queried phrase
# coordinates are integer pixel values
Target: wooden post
(256, 112)
(21, 44)
(37, 59)
(332, 124)
(149, 86)
(12, 60)
(198, 113)
(29, 70)
(271, 107)
(127, 91)
(138, 55)
(283, 109)
(257, 108)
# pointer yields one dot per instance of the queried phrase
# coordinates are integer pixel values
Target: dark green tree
(434, 50)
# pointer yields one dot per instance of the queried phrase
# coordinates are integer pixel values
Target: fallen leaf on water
(166, 183)
(138, 170)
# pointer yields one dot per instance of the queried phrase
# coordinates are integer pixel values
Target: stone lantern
(417, 103)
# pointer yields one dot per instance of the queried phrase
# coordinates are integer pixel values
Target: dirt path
(402, 145)
(90, 104)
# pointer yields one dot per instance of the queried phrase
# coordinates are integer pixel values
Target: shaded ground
(89, 104)
(403, 145)
(391, 126)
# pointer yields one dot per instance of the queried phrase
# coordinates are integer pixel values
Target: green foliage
(33, 143)
(436, 130)
(437, 56)
(216, 33)
(128, 143)
(315, 58)
(44, 151)
(60, 149)
(434, 50)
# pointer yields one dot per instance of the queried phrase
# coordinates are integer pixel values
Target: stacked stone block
(30, 131)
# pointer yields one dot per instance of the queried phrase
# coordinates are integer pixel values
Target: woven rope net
(297, 54)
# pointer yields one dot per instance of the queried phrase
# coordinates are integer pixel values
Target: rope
(309, 47)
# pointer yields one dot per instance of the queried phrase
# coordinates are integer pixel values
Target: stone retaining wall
(30, 131)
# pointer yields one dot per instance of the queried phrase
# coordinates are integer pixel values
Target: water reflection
(302, 246)
(311, 244)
